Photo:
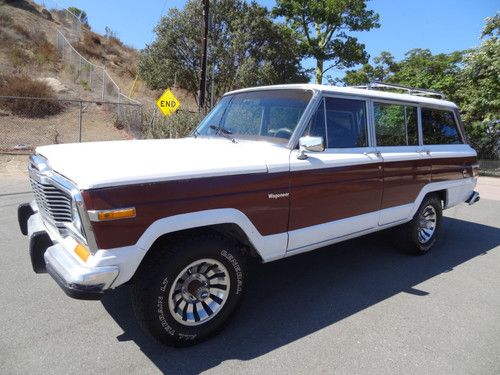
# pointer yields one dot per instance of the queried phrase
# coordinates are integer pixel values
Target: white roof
(355, 91)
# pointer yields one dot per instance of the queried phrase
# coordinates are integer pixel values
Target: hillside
(40, 52)
(28, 37)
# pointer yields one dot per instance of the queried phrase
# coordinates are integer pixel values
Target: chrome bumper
(49, 254)
(474, 198)
(76, 280)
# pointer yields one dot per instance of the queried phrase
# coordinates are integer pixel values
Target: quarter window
(395, 124)
(346, 123)
(439, 127)
(316, 127)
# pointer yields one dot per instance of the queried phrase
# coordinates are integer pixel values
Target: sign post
(168, 103)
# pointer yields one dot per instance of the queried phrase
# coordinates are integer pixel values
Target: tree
(80, 14)
(419, 68)
(469, 78)
(322, 28)
(479, 96)
(246, 48)
(384, 68)
(480, 78)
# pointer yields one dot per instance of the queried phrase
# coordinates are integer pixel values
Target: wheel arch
(229, 230)
(442, 196)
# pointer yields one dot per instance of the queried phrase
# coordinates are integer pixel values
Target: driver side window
(346, 123)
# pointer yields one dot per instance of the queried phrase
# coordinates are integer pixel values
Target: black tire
(415, 239)
(160, 275)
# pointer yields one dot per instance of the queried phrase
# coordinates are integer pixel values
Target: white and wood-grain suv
(270, 172)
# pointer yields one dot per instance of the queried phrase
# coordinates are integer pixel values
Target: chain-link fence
(71, 23)
(489, 167)
(26, 123)
(93, 78)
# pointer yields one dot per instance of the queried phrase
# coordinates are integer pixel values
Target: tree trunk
(319, 71)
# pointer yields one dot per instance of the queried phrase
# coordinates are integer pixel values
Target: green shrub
(179, 125)
(85, 85)
(484, 137)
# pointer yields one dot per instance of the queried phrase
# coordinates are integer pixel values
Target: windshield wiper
(223, 131)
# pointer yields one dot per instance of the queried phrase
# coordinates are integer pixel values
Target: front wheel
(187, 293)
(421, 233)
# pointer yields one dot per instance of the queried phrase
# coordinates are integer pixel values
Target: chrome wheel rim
(427, 224)
(199, 292)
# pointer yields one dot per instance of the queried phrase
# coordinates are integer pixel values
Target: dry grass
(5, 19)
(20, 30)
(18, 56)
(22, 86)
(46, 53)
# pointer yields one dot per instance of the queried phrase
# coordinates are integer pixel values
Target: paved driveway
(354, 308)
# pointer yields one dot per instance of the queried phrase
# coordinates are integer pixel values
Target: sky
(442, 26)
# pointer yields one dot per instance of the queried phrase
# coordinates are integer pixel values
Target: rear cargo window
(439, 127)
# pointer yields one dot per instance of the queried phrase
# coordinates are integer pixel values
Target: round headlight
(77, 222)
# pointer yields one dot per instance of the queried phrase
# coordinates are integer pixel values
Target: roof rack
(411, 90)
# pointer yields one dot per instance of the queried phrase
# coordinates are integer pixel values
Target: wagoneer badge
(278, 195)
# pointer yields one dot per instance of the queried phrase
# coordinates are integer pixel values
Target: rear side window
(395, 124)
(346, 123)
(439, 127)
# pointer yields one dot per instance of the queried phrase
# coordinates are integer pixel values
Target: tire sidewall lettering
(161, 317)
(237, 270)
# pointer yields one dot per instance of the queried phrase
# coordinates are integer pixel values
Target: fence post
(103, 79)
(142, 119)
(80, 124)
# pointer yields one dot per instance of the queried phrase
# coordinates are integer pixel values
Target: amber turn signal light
(123, 213)
(82, 252)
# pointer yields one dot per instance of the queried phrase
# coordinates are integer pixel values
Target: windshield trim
(304, 119)
(299, 129)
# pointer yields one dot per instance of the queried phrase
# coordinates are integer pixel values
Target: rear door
(406, 167)
(336, 192)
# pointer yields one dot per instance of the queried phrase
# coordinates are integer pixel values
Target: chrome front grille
(54, 204)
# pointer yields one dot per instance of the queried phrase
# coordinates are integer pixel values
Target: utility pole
(204, 44)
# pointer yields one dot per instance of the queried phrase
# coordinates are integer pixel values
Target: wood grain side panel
(403, 181)
(445, 169)
(247, 193)
(316, 196)
(323, 195)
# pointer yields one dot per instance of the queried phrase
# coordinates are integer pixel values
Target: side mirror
(312, 144)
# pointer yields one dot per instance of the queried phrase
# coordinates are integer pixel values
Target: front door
(337, 192)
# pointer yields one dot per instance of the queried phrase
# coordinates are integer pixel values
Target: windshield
(270, 115)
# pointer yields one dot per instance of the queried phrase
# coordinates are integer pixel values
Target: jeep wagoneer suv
(270, 172)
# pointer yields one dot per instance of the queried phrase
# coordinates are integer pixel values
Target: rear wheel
(187, 293)
(421, 233)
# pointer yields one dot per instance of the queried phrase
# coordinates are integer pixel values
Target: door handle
(376, 153)
(428, 152)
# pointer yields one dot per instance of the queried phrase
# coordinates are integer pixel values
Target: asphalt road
(360, 307)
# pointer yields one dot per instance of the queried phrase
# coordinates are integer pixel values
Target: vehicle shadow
(292, 298)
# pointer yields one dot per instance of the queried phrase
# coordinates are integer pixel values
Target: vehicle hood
(103, 164)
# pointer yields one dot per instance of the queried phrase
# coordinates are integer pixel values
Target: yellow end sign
(167, 103)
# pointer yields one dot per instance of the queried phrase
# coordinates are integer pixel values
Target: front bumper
(55, 255)
(75, 279)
